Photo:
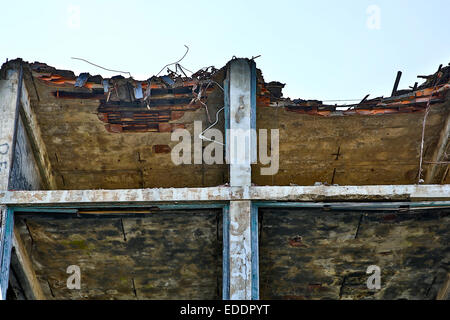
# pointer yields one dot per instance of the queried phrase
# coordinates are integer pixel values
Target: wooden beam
(397, 82)
(24, 270)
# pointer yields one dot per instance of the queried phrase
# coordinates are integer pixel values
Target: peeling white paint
(225, 194)
(240, 251)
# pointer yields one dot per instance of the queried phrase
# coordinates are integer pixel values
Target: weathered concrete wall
(25, 172)
(165, 255)
(84, 155)
(350, 150)
(316, 254)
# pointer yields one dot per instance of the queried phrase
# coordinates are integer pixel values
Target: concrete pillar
(9, 93)
(241, 148)
(8, 103)
(240, 251)
(240, 107)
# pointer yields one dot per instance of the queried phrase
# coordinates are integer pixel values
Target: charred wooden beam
(397, 82)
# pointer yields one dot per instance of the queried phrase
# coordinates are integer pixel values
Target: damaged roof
(123, 126)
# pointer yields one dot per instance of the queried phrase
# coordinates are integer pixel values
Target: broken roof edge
(433, 91)
(54, 76)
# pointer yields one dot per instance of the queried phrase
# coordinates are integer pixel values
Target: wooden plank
(24, 270)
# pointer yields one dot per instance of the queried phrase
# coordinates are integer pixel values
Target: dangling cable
(202, 137)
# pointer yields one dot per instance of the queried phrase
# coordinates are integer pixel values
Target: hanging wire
(176, 62)
(96, 65)
(424, 123)
(201, 135)
(184, 68)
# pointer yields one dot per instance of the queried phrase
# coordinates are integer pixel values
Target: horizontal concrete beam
(352, 193)
(115, 196)
(223, 194)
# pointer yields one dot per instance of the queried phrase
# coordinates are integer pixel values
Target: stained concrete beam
(352, 193)
(224, 194)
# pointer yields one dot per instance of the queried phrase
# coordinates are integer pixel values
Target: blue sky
(320, 49)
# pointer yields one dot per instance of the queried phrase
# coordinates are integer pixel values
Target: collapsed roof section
(128, 105)
(123, 127)
(417, 98)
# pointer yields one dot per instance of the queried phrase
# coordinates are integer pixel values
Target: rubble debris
(441, 77)
(140, 106)
(275, 88)
(127, 105)
(416, 99)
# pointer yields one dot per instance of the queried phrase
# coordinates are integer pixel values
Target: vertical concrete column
(8, 102)
(240, 251)
(240, 148)
(9, 97)
(241, 152)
